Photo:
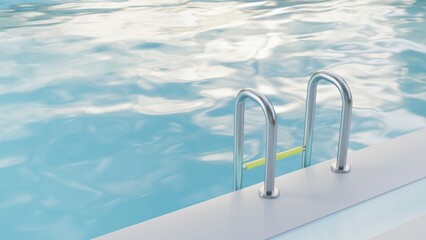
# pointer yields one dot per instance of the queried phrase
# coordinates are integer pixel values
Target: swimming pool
(111, 110)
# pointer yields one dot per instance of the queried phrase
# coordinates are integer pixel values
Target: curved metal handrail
(340, 165)
(268, 190)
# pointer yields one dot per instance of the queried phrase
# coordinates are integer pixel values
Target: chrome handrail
(268, 190)
(340, 165)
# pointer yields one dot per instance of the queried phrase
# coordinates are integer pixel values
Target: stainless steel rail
(340, 165)
(268, 190)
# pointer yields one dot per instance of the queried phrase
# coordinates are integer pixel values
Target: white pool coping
(306, 195)
(413, 230)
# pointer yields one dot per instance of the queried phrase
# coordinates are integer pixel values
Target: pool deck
(306, 195)
(413, 230)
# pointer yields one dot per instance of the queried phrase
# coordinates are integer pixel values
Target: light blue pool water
(115, 112)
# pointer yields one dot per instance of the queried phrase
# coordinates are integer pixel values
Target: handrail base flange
(346, 169)
(272, 195)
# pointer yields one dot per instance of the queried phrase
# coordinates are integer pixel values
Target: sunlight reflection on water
(112, 109)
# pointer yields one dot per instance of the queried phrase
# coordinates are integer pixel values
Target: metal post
(340, 165)
(268, 190)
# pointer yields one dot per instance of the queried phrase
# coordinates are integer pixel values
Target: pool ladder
(269, 191)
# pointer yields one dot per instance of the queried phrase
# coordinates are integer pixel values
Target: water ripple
(111, 108)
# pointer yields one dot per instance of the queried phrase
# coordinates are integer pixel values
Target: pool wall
(306, 195)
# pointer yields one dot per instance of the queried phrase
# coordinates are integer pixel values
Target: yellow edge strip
(281, 155)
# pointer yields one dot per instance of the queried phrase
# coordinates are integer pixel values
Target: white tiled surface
(413, 230)
(367, 219)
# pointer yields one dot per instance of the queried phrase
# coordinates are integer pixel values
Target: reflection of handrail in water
(268, 190)
(261, 161)
(340, 165)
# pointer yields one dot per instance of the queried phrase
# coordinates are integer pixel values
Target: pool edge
(306, 195)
